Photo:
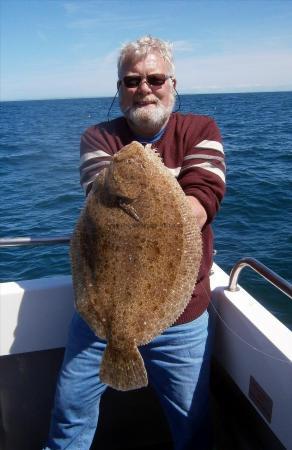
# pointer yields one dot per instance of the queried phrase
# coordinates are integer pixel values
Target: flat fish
(135, 256)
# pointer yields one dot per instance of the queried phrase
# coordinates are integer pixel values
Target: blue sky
(65, 49)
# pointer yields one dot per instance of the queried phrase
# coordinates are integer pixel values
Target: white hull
(253, 347)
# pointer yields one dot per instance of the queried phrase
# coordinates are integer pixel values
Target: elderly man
(177, 361)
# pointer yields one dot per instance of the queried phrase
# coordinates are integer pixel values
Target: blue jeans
(178, 365)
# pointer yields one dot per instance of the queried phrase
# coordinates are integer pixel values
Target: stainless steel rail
(254, 264)
(21, 241)
(262, 270)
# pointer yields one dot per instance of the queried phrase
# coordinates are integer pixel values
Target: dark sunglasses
(132, 81)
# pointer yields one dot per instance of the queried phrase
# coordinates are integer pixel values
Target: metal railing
(20, 241)
(262, 270)
(252, 263)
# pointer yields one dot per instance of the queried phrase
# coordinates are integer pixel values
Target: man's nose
(144, 87)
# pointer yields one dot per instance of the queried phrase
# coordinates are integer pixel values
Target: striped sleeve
(94, 157)
(203, 170)
(207, 155)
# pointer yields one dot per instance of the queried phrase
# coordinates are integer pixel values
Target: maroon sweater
(191, 148)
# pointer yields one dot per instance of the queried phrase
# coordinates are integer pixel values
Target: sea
(41, 195)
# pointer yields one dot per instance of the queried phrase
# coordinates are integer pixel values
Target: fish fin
(123, 369)
(83, 283)
(93, 320)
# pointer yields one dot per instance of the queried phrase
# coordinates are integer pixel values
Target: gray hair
(139, 49)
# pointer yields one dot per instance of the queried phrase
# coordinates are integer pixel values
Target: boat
(251, 381)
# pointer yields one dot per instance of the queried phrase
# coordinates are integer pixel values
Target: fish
(135, 256)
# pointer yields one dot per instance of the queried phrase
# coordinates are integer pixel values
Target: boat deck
(128, 421)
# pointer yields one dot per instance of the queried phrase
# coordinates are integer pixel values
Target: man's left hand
(198, 210)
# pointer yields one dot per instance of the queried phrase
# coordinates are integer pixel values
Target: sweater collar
(152, 139)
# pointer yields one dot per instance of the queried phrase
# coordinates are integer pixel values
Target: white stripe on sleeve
(207, 157)
(94, 166)
(95, 154)
(212, 145)
(175, 171)
(209, 167)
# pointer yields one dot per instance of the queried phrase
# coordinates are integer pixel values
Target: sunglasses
(132, 81)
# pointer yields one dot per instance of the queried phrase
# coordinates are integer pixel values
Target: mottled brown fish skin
(135, 253)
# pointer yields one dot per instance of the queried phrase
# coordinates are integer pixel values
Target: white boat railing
(272, 277)
(275, 279)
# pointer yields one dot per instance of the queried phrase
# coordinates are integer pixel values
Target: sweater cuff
(211, 206)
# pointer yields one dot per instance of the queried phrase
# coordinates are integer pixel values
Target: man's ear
(119, 84)
(174, 82)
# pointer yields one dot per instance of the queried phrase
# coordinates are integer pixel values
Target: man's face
(147, 107)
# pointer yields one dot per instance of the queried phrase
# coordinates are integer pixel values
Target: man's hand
(198, 211)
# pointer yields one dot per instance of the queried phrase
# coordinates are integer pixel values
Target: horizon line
(111, 96)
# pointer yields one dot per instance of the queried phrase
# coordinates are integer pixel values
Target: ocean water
(41, 195)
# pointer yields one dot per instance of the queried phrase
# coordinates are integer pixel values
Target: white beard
(150, 118)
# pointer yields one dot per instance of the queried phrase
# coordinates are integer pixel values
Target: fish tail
(123, 368)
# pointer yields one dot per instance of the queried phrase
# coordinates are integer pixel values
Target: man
(191, 148)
